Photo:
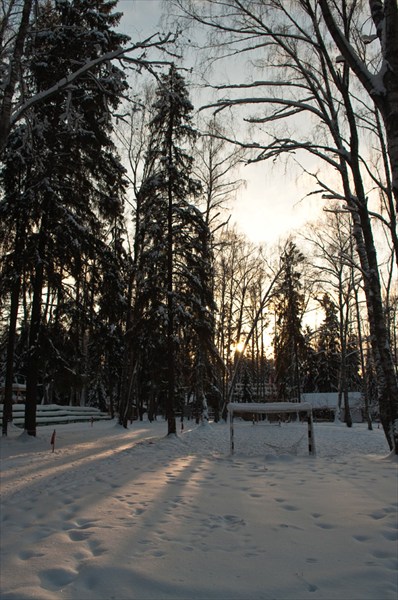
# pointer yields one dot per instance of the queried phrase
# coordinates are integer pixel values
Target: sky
(269, 206)
(131, 514)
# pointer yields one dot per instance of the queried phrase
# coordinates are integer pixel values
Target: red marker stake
(52, 442)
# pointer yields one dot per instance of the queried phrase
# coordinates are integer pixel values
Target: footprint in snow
(96, 548)
(55, 579)
(76, 535)
(391, 535)
(290, 507)
(325, 525)
(361, 538)
(28, 554)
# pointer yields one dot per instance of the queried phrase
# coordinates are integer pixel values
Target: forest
(124, 283)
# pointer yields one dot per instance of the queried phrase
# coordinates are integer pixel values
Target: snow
(132, 514)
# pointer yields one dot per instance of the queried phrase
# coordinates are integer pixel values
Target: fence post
(311, 440)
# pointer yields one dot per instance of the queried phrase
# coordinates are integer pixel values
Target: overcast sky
(268, 207)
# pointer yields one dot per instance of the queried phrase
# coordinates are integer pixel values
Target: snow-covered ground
(124, 515)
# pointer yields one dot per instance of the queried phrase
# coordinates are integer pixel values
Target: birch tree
(337, 274)
(380, 78)
(305, 74)
(239, 268)
(215, 165)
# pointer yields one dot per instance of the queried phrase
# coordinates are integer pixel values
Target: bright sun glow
(239, 347)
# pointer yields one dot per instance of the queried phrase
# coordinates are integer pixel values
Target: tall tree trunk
(128, 358)
(32, 363)
(170, 403)
(343, 332)
(390, 80)
(362, 358)
(7, 407)
(33, 351)
(386, 376)
(387, 382)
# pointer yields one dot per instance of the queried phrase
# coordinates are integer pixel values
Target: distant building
(325, 405)
(263, 391)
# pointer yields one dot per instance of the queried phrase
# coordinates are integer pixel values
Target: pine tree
(309, 366)
(328, 348)
(354, 379)
(288, 340)
(72, 181)
(172, 316)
